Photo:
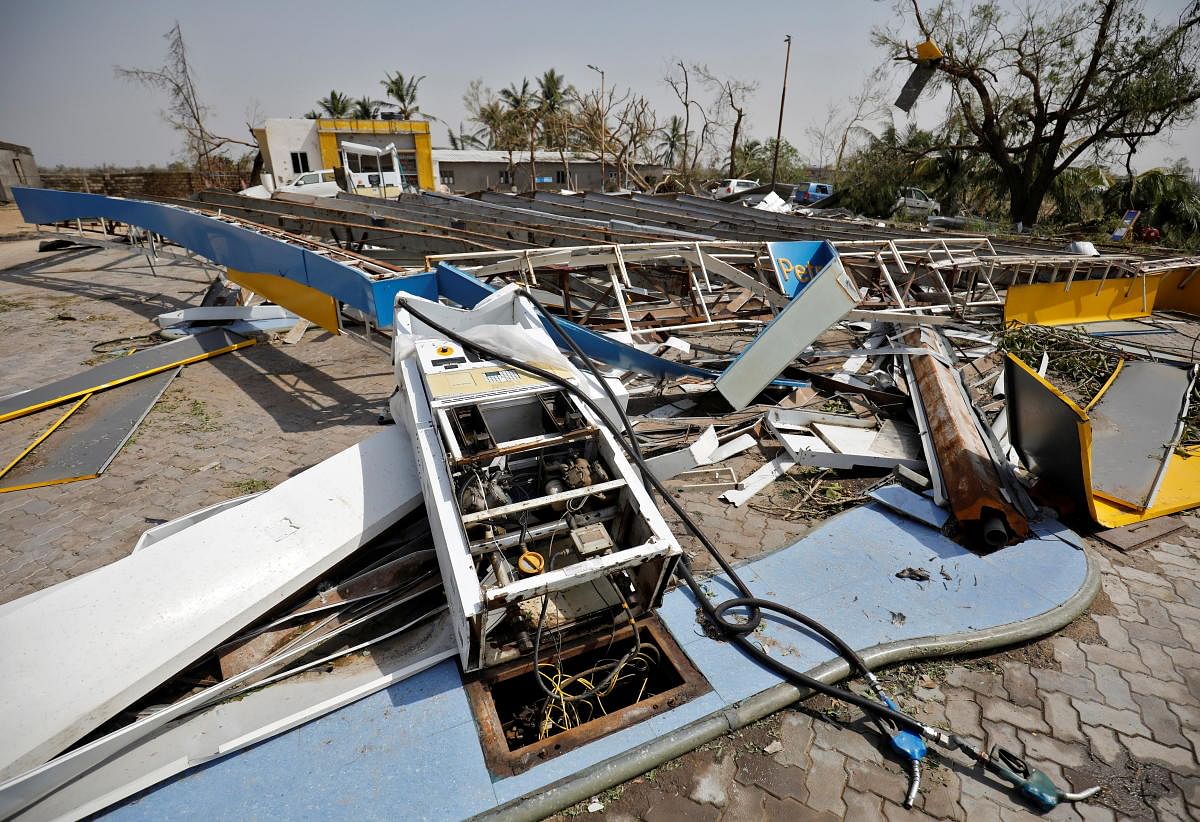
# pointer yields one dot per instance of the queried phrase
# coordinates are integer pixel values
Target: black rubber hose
(736, 631)
(754, 604)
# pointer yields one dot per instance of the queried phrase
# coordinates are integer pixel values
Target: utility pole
(782, 96)
(603, 125)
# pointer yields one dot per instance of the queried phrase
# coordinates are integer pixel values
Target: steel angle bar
(122, 370)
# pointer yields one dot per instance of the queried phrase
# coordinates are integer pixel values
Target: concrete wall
(17, 168)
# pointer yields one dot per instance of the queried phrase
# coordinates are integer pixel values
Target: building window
(560, 177)
(17, 167)
(300, 162)
(612, 174)
(506, 177)
(447, 177)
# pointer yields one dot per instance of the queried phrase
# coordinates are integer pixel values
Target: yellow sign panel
(1180, 488)
(1083, 301)
(302, 300)
(1180, 291)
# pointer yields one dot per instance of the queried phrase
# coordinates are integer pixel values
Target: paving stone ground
(1113, 699)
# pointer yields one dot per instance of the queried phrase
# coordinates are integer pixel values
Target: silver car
(914, 201)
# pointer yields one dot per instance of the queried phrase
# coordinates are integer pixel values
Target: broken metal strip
(759, 480)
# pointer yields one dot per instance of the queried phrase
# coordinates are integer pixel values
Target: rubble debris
(967, 474)
(916, 574)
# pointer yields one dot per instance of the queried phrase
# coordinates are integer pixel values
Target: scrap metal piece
(759, 480)
(911, 504)
(968, 471)
(40, 438)
(1053, 436)
(91, 441)
(1134, 536)
(122, 370)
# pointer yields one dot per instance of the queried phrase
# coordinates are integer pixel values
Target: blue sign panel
(796, 263)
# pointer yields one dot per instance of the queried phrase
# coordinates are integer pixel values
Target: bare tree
(185, 113)
(694, 145)
(730, 101)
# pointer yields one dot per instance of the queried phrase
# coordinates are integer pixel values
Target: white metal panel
(79, 652)
(826, 299)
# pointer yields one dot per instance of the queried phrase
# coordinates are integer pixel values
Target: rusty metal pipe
(994, 532)
(973, 484)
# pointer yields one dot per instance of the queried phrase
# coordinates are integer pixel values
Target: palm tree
(670, 141)
(553, 95)
(366, 109)
(312, 114)
(403, 91)
(522, 111)
(336, 105)
(463, 139)
(493, 120)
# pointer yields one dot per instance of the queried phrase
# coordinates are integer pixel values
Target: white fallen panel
(672, 463)
(816, 452)
(227, 313)
(78, 653)
(794, 418)
(890, 445)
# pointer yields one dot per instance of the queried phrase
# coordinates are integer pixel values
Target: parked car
(809, 193)
(915, 201)
(317, 183)
(726, 187)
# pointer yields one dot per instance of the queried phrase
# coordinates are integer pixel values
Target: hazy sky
(59, 95)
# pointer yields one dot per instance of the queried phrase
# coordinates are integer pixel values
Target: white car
(316, 183)
(726, 187)
(915, 201)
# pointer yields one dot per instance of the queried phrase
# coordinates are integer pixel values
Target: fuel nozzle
(1033, 785)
